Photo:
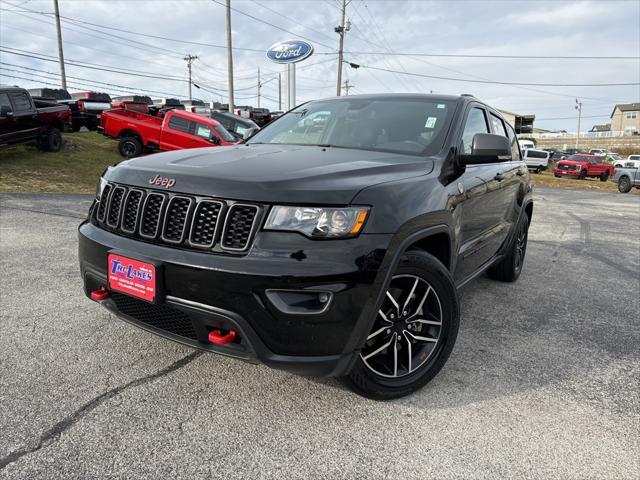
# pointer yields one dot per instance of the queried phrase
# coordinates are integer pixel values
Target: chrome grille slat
(178, 220)
(115, 206)
(205, 223)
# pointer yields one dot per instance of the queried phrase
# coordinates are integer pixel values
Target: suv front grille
(177, 220)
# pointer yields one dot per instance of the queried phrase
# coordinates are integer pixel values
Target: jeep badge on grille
(162, 181)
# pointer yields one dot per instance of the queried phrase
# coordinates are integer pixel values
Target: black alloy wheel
(413, 332)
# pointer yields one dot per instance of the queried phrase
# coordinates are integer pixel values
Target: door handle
(499, 177)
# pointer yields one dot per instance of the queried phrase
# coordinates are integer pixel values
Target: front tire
(583, 174)
(604, 177)
(510, 267)
(413, 333)
(129, 147)
(624, 184)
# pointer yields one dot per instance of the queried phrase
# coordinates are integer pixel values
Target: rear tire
(52, 141)
(130, 147)
(624, 184)
(510, 267)
(411, 337)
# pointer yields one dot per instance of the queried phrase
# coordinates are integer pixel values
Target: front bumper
(204, 291)
(566, 173)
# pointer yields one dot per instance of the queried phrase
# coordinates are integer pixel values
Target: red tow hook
(217, 337)
(99, 295)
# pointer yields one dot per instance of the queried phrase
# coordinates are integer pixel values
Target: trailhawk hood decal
(271, 173)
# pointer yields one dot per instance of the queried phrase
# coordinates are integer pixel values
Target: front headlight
(318, 222)
(101, 184)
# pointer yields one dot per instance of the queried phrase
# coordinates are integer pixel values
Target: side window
(22, 101)
(515, 148)
(498, 126)
(202, 131)
(4, 100)
(476, 123)
(180, 124)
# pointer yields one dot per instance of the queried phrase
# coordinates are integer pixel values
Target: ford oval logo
(289, 52)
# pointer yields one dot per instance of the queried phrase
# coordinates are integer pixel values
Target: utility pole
(279, 92)
(347, 87)
(189, 59)
(63, 75)
(229, 57)
(259, 86)
(341, 30)
(578, 106)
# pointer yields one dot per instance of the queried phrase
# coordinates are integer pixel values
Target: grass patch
(74, 169)
(547, 179)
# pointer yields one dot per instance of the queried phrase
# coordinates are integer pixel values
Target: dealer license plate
(132, 277)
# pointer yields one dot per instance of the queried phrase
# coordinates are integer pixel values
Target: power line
(496, 82)
(608, 115)
(272, 25)
(495, 57)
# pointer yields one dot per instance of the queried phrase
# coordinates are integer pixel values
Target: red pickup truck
(582, 166)
(177, 130)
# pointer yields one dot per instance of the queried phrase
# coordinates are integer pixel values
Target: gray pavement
(543, 382)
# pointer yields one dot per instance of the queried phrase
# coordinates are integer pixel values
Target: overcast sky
(546, 28)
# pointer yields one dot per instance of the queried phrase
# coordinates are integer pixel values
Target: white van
(525, 144)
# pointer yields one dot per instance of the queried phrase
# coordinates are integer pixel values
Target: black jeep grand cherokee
(332, 242)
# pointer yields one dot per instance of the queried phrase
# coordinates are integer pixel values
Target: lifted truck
(177, 130)
(24, 119)
(582, 166)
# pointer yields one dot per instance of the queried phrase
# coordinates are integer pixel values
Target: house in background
(601, 128)
(626, 118)
(520, 123)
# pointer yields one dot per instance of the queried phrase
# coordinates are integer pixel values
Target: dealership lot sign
(292, 51)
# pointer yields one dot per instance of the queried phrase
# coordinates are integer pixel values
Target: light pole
(578, 106)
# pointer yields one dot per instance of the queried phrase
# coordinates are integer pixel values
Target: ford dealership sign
(289, 52)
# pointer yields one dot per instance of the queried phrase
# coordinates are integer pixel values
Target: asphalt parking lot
(543, 381)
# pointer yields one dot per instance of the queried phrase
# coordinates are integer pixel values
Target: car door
(6, 120)
(176, 132)
(25, 120)
(482, 225)
(203, 136)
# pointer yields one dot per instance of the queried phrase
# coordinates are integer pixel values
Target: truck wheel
(76, 127)
(413, 333)
(604, 177)
(624, 184)
(52, 141)
(130, 147)
(510, 267)
(583, 174)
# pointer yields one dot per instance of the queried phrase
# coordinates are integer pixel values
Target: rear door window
(21, 101)
(498, 126)
(180, 124)
(476, 123)
(515, 147)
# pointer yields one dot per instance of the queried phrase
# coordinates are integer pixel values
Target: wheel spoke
(377, 332)
(395, 304)
(384, 317)
(395, 359)
(380, 349)
(425, 322)
(413, 289)
(423, 339)
(409, 352)
(418, 310)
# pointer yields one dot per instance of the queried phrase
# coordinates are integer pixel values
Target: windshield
(224, 134)
(405, 125)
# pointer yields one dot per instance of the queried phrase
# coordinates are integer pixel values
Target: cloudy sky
(100, 33)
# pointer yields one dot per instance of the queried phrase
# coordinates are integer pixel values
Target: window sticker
(441, 105)
(431, 122)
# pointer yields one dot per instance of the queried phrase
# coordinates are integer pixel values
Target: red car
(582, 166)
(177, 130)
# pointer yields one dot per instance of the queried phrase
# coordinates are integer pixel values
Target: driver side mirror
(487, 148)
(6, 111)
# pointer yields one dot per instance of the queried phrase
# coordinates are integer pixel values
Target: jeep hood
(271, 173)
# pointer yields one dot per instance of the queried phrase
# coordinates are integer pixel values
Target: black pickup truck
(332, 242)
(25, 119)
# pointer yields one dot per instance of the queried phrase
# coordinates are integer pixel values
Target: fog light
(300, 302)
(323, 297)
